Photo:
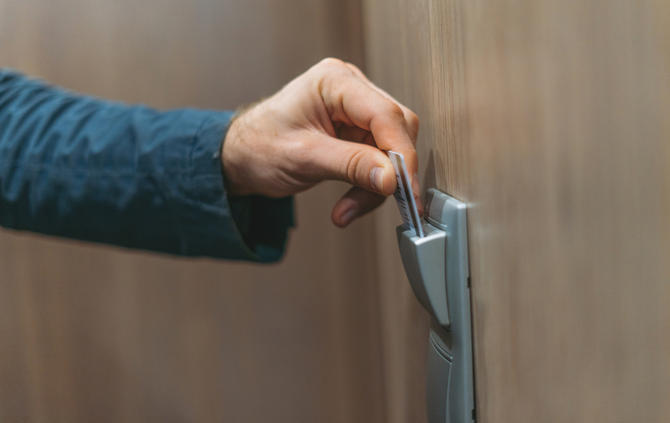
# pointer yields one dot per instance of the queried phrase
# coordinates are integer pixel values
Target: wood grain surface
(97, 334)
(552, 121)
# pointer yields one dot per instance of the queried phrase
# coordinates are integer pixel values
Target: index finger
(410, 117)
(352, 101)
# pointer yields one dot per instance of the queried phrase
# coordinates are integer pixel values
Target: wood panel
(93, 333)
(551, 120)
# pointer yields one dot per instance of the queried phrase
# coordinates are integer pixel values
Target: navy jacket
(85, 168)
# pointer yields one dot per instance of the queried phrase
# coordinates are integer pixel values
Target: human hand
(330, 123)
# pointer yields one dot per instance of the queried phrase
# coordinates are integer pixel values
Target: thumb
(358, 164)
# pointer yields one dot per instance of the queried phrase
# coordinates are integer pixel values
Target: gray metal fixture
(437, 268)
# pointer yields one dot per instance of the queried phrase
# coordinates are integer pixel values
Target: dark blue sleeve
(84, 168)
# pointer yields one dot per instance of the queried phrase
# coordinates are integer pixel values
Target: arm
(94, 170)
(84, 168)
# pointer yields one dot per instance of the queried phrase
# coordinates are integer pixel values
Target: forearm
(94, 170)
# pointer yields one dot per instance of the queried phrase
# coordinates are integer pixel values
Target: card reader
(437, 268)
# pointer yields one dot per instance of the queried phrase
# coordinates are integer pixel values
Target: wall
(95, 333)
(550, 119)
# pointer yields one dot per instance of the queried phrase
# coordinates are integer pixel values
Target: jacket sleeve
(80, 167)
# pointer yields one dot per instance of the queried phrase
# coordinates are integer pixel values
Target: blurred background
(96, 333)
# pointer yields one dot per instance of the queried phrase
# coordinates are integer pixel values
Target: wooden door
(552, 121)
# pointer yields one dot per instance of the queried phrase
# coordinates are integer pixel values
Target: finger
(352, 133)
(412, 124)
(356, 134)
(410, 117)
(351, 100)
(355, 203)
(361, 165)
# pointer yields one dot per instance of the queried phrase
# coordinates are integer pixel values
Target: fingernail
(348, 216)
(377, 178)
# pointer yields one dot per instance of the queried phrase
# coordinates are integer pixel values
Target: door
(552, 121)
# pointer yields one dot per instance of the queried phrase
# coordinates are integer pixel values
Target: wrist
(232, 172)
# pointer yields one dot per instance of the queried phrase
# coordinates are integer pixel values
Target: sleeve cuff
(253, 228)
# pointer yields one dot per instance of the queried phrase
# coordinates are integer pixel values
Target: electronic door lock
(437, 268)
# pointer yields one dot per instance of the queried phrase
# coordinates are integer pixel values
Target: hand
(330, 123)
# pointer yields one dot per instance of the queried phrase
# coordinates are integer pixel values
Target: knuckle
(413, 124)
(394, 111)
(413, 121)
(299, 156)
(332, 70)
(353, 67)
(331, 62)
(354, 168)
